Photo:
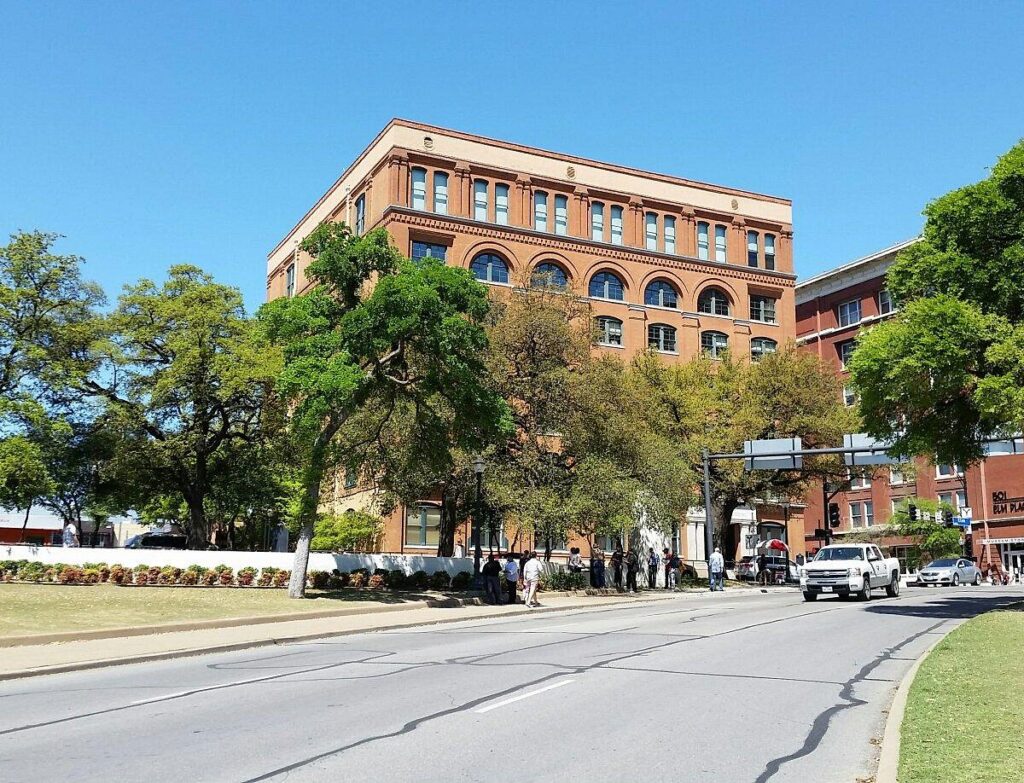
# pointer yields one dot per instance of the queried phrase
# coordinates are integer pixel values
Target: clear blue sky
(159, 133)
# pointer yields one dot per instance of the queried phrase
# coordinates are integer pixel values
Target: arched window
(713, 301)
(661, 337)
(714, 344)
(605, 285)
(761, 347)
(609, 330)
(549, 274)
(490, 268)
(660, 294)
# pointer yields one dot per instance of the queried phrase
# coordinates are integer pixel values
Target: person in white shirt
(717, 564)
(70, 535)
(511, 577)
(460, 550)
(531, 580)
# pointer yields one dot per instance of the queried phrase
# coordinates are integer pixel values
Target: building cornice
(853, 273)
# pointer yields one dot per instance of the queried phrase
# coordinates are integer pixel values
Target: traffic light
(833, 515)
(912, 512)
(947, 517)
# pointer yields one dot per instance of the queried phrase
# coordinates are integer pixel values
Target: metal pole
(477, 522)
(708, 522)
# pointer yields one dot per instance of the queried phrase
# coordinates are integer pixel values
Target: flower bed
(223, 576)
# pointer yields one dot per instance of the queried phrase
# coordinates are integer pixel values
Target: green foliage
(462, 580)
(931, 536)
(440, 580)
(353, 531)
(946, 373)
(563, 580)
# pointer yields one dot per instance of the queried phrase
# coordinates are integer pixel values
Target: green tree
(356, 354)
(717, 405)
(185, 374)
(348, 532)
(948, 371)
(932, 538)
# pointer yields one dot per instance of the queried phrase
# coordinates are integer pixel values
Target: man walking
(492, 579)
(511, 576)
(652, 568)
(70, 535)
(717, 563)
(632, 566)
(531, 580)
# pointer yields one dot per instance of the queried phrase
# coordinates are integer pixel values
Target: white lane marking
(192, 691)
(522, 696)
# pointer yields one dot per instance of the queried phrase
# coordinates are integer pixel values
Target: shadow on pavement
(381, 596)
(943, 607)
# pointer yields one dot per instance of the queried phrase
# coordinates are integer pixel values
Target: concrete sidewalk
(89, 653)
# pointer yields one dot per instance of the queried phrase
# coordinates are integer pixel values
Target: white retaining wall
(318, 561)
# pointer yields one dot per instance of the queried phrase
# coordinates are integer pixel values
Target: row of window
(553, 215)
(491, 268)
(662, 337)
(849, 313)
(862, 513)
(896, 476)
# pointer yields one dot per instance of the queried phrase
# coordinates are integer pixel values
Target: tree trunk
(446, 537)
(198, 530)
(24, 525)
(311, 482)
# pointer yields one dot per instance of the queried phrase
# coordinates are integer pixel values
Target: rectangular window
(845, 352)
(351, 478)
(428, 250)
(616, 225)
(597, 221)
(360, 215)
(947, 471)
(480, 199)
(670, 234)
(289, 281)
(859, 481)
(419, 188)
(651, 231)
(720, 244)
(752, 258)
(884, 302)
(422, 526)
(762, 308)
(896, 476)
(769, 251)
(702, 241)
(540, 211)
(849, 397)
(561, 215)
(500, 204)
(440, 193)
(862, 514)
(849, 313)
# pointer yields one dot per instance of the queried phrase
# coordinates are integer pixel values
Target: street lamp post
(478, 469)
(785, 533)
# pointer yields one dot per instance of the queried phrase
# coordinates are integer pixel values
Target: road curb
(235, 646)
(889, 756)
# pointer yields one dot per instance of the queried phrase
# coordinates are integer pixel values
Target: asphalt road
(713, 688)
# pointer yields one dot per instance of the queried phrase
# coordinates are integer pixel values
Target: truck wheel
(865, 593)
(810, 596)
(893, 588)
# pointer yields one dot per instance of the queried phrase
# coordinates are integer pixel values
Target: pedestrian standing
(652, 568)
(531, 580)
(70, 535)
(617, 561)
(492, 579)
(460, 550)
(762, 569)
(597, 558)
(717, 563)
(632, 566)
(511, 577)
(575, 561)
(667, 560)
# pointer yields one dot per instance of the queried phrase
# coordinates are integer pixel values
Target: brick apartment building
(831, 310)
(668, 263)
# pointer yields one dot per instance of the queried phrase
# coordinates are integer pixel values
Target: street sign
(861, 441)
(751, 540)
(772, 446)
(965, 511)
(962, 521)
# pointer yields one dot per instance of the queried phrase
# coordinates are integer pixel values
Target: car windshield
(840, 553)
(942, 564)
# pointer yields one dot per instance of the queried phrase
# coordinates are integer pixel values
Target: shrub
(462, 580)
(267, 576)
(189, 577)
(420, 580)
(51, 574)
(338, 580)
(319, 580)
(168, 575)
(246, 576)
(348, 532)
(209, 578)
(397, 579)
(563, 580)
(364, 571)
(104, 572)
(377, 582)
(225, 575)
(31, 572)
(141, 577)
(140, 568)
(116, 575)
(91, 576)
(154, 574)
(357, 579)
(281, 577)
(440, 580)
(198, 569)
(70, 575)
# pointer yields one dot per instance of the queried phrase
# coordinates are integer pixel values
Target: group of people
(527, 570)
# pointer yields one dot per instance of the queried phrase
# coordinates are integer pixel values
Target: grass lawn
(34, 609)
(964, 721)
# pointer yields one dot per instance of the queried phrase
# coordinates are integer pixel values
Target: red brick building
(831, 310)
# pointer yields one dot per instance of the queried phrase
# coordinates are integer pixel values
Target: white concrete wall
(318, 561)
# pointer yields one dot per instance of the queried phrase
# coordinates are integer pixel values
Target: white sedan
(950, 572)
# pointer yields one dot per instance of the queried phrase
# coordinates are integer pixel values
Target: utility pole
(708, 524)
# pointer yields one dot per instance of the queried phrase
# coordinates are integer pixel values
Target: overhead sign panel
(877, 456)
(779, 448)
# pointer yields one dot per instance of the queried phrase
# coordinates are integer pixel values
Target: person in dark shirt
(617, 559)
(632, 566)
(492, 579)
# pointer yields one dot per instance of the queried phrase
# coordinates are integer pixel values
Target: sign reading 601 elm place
(1001, 504)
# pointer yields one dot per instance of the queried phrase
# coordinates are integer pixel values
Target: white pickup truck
(843, 569)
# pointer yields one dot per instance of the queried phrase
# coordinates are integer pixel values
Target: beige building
(668, 263)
